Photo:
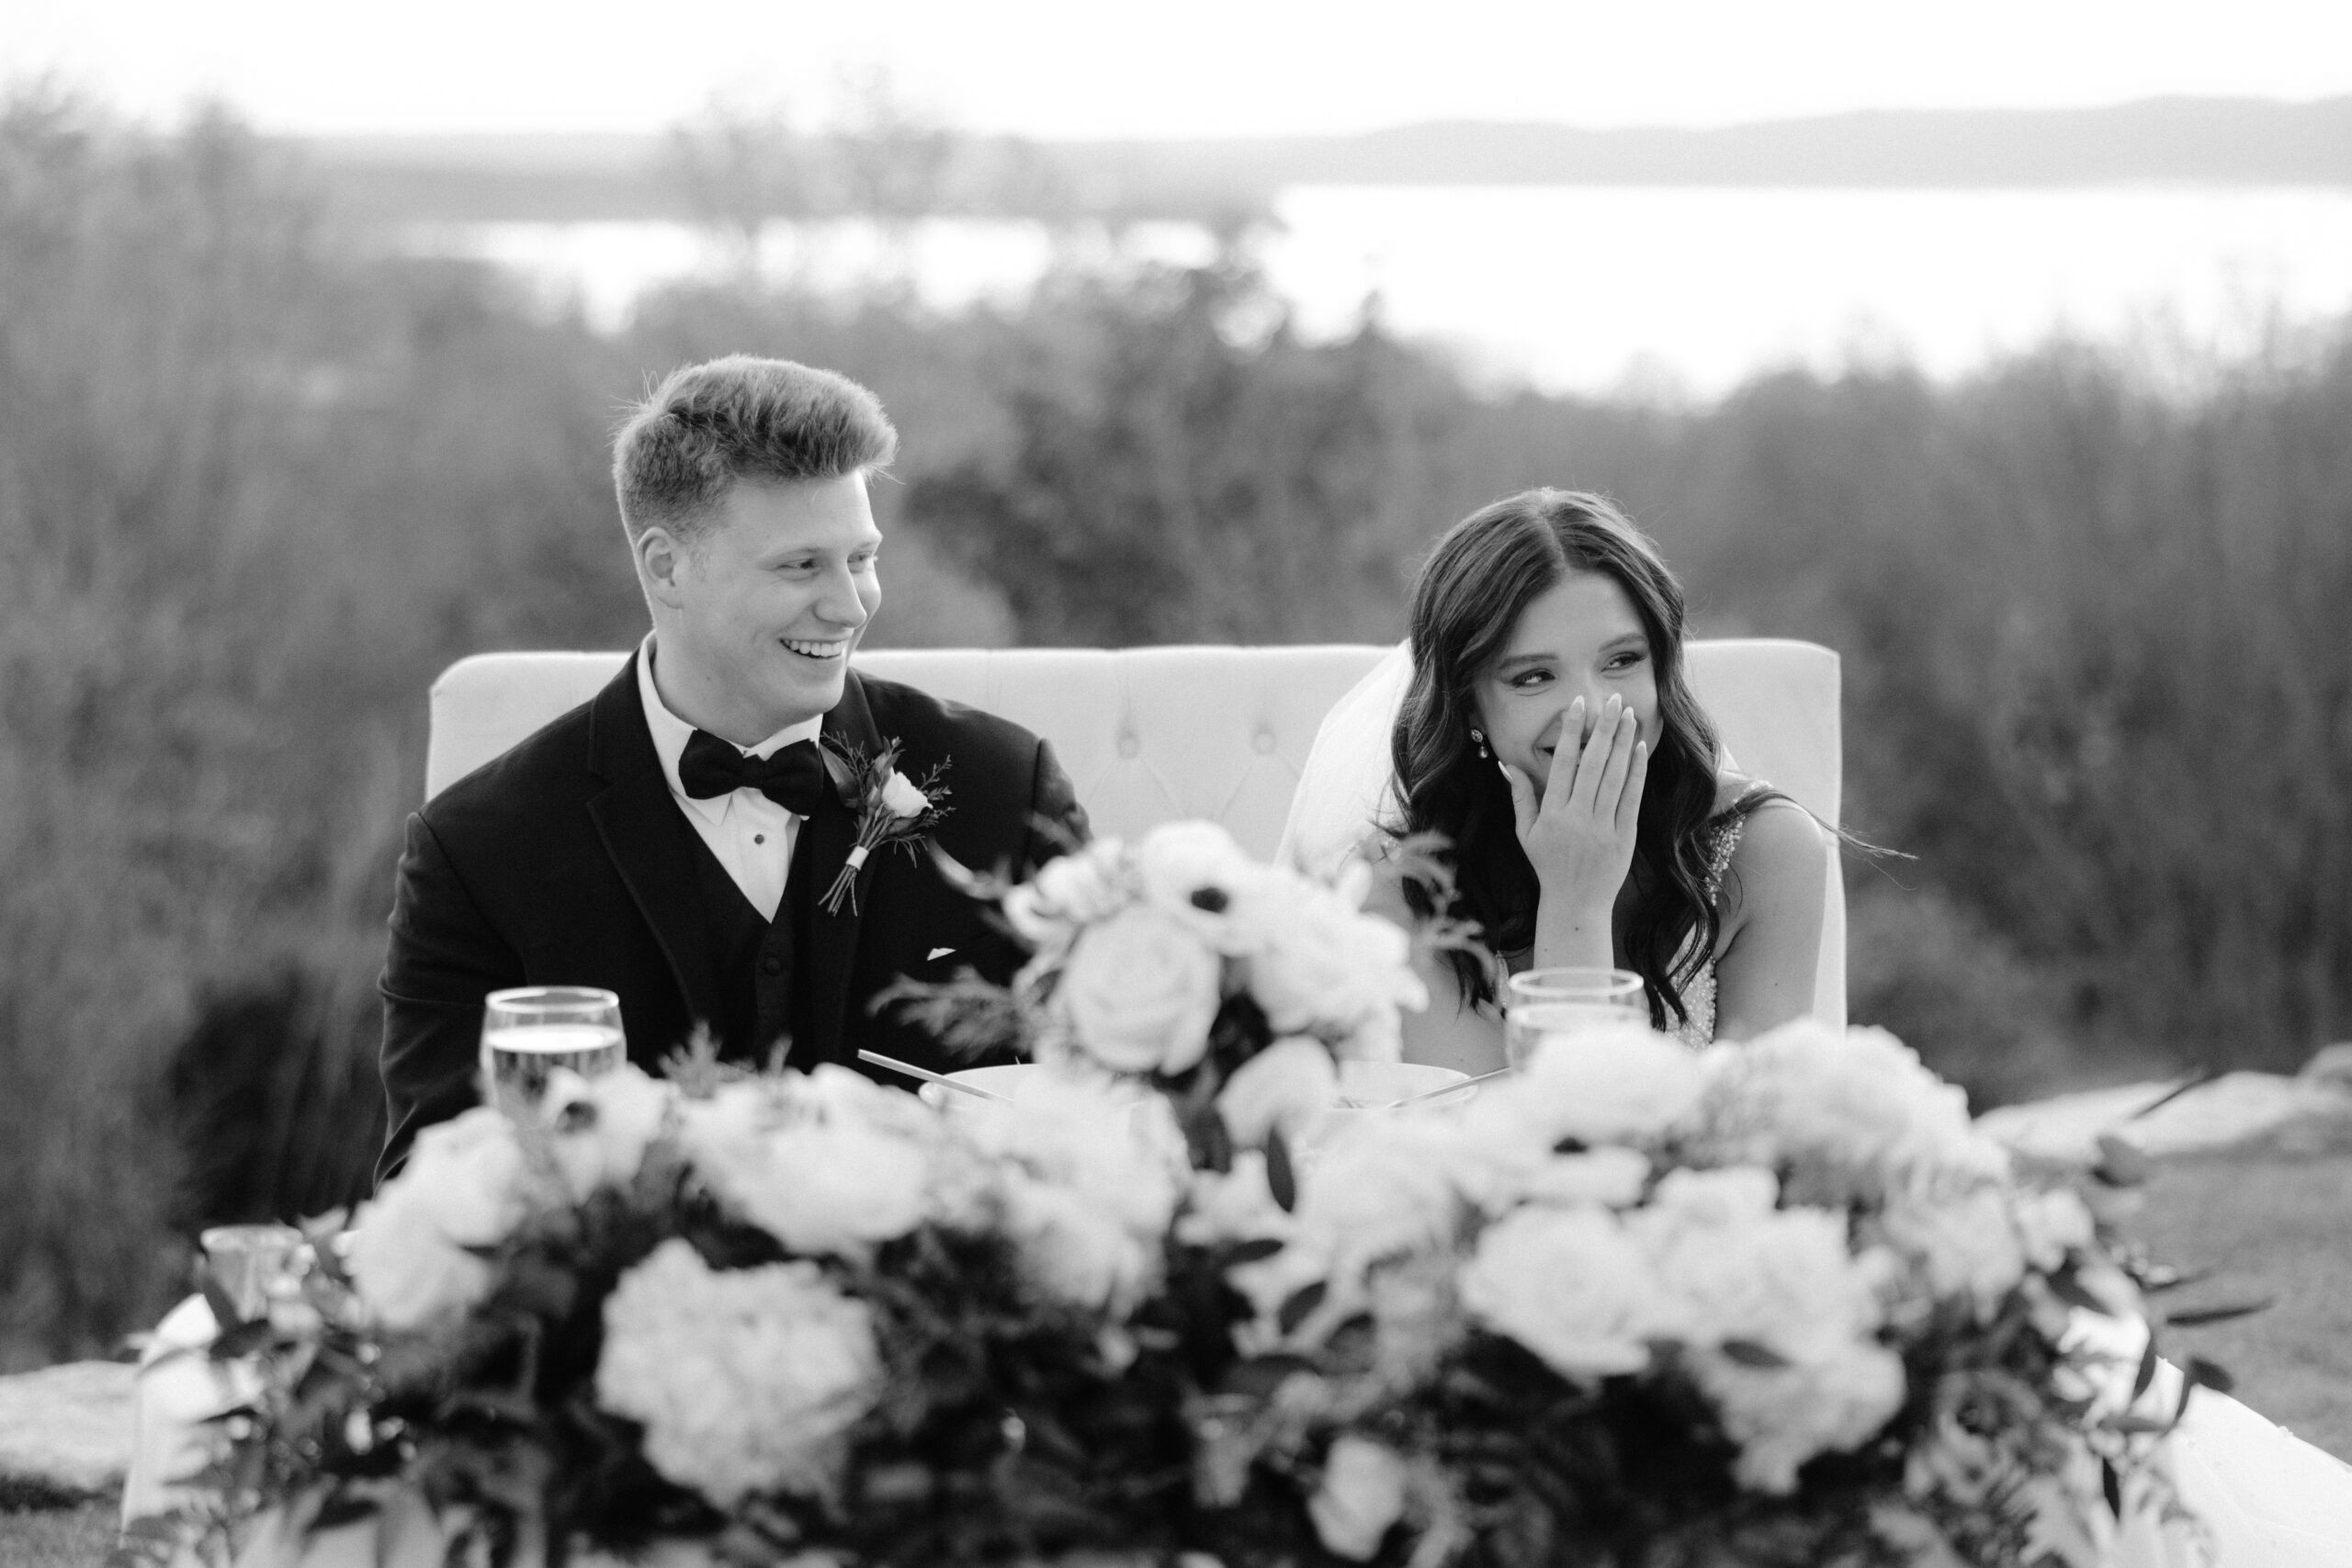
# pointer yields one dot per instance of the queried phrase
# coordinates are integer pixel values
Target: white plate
(1371, 1086)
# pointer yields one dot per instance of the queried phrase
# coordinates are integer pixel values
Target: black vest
(759, 1004)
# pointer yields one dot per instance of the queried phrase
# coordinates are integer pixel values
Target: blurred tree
(744, 169)
(1182, 466)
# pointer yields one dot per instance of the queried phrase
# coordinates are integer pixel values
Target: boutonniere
(891, 809)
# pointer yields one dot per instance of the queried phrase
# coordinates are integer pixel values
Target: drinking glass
(528, 1034)
(1566, 1001)
(246, 1260)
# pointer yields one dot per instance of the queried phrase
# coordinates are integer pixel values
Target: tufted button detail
(1130, 746)
(1263, 740)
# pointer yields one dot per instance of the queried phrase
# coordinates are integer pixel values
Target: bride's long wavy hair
(1483, 574)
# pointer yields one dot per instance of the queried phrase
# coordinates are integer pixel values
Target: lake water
(1667, 292)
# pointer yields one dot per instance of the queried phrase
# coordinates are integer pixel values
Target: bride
(1540, 720)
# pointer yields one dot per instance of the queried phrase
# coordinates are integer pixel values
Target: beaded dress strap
(1727, 838)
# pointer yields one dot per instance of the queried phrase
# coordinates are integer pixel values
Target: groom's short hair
(741, 417)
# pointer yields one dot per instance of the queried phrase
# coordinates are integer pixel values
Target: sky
(1056, 69)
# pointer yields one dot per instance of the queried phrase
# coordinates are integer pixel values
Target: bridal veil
(1346, 789)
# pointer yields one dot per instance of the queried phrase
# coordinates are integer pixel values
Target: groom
(671, 839)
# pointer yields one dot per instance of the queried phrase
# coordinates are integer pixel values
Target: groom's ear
(660, 558)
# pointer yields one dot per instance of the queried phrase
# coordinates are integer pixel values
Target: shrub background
(259, 482)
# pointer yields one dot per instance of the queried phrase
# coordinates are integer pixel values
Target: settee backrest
(1153, 734)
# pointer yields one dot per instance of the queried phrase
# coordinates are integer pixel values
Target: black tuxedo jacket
(567, 861)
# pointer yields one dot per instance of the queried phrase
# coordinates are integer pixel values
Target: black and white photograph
(1253, 785)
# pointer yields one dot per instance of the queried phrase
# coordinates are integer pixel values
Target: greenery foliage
(260, 480)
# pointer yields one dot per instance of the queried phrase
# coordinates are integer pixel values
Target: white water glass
(527, 1035)
(1568, 1001)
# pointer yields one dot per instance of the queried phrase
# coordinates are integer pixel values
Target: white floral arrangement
(1771, 1302)
(1237, 987)
(1762, 1303)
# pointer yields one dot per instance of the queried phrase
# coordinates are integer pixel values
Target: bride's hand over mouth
(1579, 831)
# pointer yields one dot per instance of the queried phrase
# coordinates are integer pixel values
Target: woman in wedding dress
(1541, 720)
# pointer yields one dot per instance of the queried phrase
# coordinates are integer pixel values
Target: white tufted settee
(1152, 734)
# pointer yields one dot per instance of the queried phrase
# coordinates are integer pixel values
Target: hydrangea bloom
(746, 1379)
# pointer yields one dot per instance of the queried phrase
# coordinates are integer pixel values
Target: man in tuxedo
(671, 839)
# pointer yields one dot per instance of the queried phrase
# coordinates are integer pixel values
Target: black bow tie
(794, 778)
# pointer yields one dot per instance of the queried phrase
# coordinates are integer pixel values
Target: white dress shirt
(752, 835)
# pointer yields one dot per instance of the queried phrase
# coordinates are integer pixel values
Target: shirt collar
(671, 734)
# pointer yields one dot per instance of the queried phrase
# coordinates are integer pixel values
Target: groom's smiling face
(764, 603)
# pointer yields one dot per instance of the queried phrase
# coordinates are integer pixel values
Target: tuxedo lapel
(831, 834)
(646, 835)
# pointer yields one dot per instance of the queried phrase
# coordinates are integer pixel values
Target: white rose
(1141, 991)
(1967, 1245)
(1290, 1084)
(604, 1126)
(1851, 1115)
(1069, 893)
(1569, 1286)
(1719, 1197)
(1113, 1138)
(1780, 1417)
(1380, 1187)
(1325, 965)
(1627, 1085)
(1078, 1250)
(1090, 1173)
(464, 1187)
(1745, 1270)
(1361, 1495)
(746, 1379)
(1611, 1178)
(900, 798)
(832, 1183)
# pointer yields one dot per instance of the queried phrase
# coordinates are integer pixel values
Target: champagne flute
(1567, 1001)
(247, 1261)
(528, 1034)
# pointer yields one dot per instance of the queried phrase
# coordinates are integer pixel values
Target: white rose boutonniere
(891, 809)
(902, 798)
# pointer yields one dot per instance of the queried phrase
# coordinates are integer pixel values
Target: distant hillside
(2196, 140)
(2208, 141)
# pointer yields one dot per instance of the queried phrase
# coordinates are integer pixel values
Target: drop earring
(1478, 739)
